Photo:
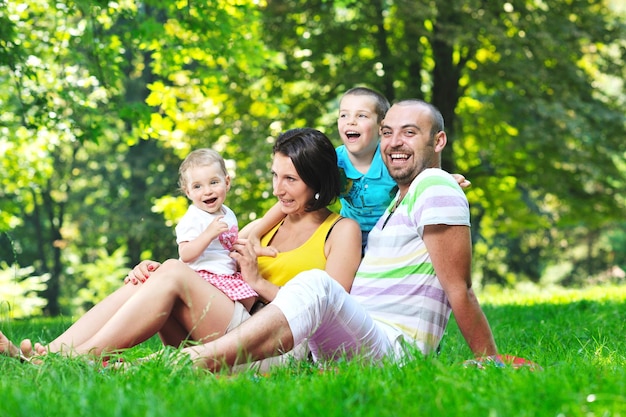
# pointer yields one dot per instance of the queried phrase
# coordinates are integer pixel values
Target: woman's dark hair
(314, 157)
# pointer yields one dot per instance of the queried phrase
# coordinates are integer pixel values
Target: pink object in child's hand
(228, 239)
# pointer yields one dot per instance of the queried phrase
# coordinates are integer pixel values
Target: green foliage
(19, 289)
(553, 125)
(617, 243)
(57, 105)
(99, 278)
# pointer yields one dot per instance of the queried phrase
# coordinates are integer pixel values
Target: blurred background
(101, 100)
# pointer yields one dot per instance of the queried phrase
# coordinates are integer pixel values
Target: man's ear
(440, 141)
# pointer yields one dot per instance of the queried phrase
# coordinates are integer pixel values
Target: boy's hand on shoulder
(461, 180)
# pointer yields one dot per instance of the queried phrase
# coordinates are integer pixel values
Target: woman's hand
(261, 250)
(243, 252)
(141, 272)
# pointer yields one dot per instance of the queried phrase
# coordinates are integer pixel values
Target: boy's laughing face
(358, 124)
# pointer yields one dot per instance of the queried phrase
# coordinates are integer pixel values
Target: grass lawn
(578, 337)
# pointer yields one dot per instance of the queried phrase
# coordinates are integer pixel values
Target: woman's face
(293, 194)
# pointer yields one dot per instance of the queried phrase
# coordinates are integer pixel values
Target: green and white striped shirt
(396, 281)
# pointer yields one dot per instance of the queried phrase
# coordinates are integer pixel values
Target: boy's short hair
(382, 104)
(314, 157)
(199, 158)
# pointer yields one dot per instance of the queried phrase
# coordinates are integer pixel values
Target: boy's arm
(254, 230)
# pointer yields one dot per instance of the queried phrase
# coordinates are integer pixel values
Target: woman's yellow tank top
(310, 255)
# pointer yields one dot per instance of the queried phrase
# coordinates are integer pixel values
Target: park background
(101, 100)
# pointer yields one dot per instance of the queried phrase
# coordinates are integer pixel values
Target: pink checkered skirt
(234, 286)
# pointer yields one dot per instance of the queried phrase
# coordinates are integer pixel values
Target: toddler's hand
(217, 227)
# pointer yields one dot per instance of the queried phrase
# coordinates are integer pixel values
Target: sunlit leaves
(172, 208)
(19, 287)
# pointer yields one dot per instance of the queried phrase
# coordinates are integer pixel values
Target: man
(416, 270)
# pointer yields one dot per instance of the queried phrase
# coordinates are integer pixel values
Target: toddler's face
(207, 186)
(358, 124)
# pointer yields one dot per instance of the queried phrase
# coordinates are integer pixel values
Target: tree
(99, 110)
(50, 108)
(101, 101)
(517, 83)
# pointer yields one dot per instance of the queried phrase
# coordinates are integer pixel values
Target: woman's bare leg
(87, 326)
(174, 291)
(173, 333)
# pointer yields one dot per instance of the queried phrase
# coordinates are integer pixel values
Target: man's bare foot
(7, 347)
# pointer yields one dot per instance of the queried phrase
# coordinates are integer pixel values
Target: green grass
(579, 338)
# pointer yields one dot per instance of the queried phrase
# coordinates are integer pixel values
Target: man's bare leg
(264, 335)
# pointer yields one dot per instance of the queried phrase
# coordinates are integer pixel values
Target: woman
(171, 300)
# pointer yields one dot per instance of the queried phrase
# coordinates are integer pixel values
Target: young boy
(208, 230)
(368, 188)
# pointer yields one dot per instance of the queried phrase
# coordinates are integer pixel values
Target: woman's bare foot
(7, 347)
(32, 353)
(40, 349)
(29, 350)
(26, 347)
(24, 353)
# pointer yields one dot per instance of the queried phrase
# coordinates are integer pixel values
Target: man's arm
(450, 250)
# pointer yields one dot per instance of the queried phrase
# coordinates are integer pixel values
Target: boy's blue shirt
(364, 197)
